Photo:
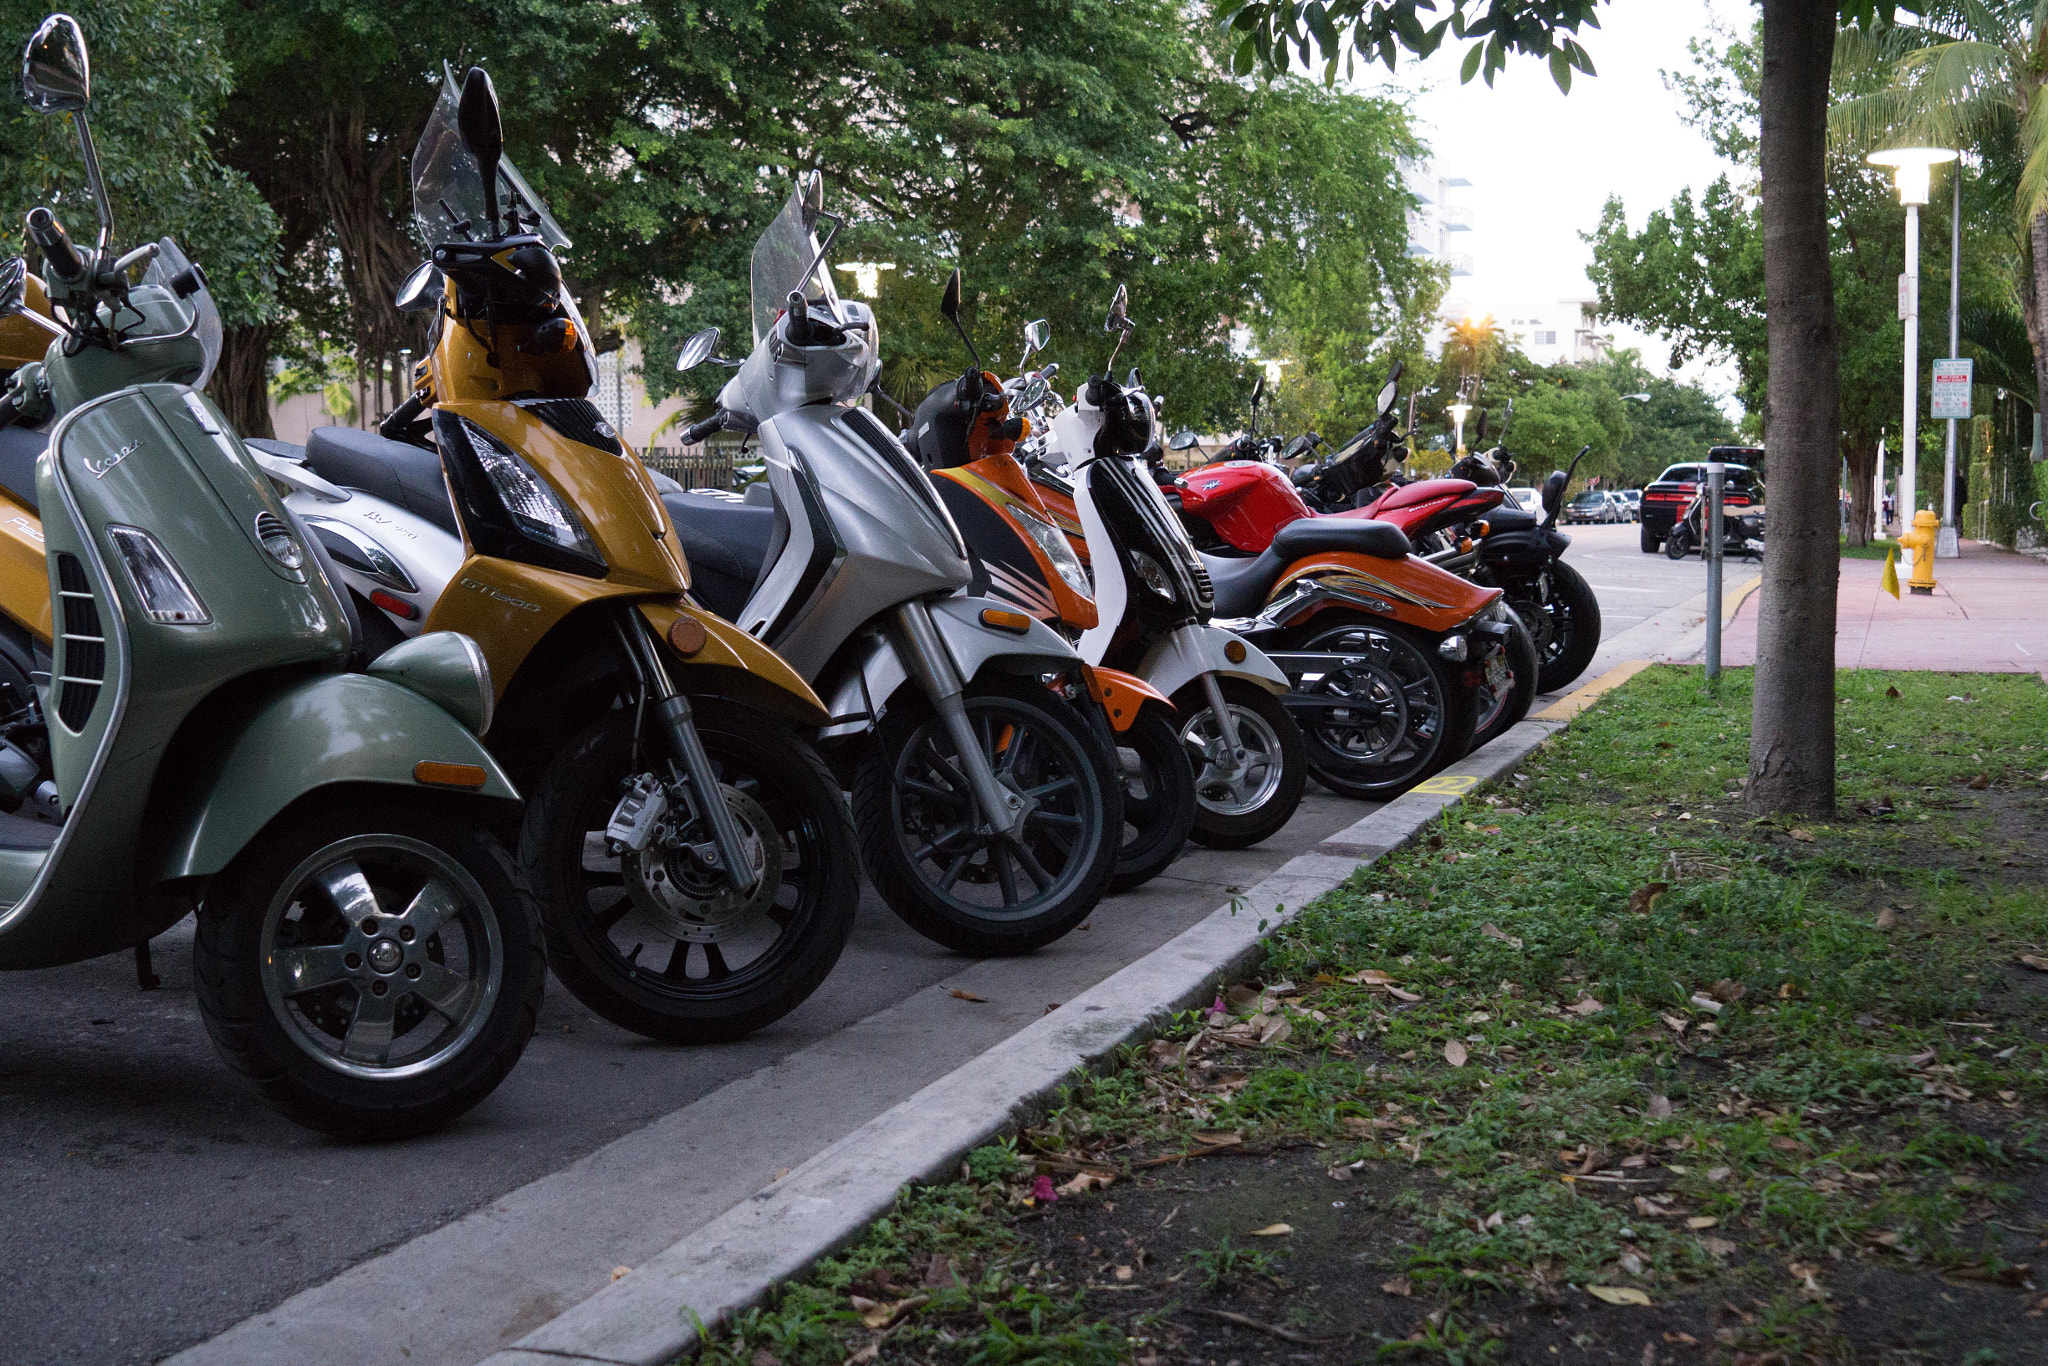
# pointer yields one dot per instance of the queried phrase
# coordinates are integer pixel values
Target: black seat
(403, 475)
(727, 544)
(1505, 518)
(1242, 584)
(19, 447)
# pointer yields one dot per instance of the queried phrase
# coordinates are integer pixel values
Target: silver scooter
(986, 796)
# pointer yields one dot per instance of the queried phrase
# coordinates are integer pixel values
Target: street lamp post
(1459, 411)
(1911, 172)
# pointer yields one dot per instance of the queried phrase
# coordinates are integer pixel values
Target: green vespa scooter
(366, 954)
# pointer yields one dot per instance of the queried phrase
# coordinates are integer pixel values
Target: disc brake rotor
(688, 899)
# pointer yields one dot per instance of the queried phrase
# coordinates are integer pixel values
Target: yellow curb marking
(1570, 705)
(1734, 603)
(1447, 784)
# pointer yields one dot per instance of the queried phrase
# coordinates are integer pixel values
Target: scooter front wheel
(374, 975)
(656, 940)
(1238, 807)
(930, 849)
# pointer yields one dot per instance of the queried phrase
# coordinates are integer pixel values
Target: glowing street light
(1459, 411)
(1912, 169)
(867, 276)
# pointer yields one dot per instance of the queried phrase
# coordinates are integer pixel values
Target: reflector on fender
(1014, 622)
(1233, 650)
(687, 635)
(398, 607)
(448, 775)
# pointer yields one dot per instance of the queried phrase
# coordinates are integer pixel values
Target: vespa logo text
(496, 596)
(99, 468)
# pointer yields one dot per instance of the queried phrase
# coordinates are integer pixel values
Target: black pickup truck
(1666, 500)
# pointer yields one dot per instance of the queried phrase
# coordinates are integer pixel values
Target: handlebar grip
(48, 234)
(393, 427)
(697, 431)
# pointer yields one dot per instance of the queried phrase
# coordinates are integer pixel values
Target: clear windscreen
(785, 258)
(170, 263)
(448, 185)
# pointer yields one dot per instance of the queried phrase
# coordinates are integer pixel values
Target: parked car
(1633, 500)
(1528, 500)
(1668, 496)
(1590, 506)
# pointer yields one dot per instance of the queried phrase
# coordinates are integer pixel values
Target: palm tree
(1969, 76)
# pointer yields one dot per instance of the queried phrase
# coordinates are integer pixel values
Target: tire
(647, 940)
(1077, 832)
(320, 1053)
(1678, 543)
(1359, 756)
(1573, 638)
(1499, 710)
(1651, 540)
(1228, 819)
(1159, 798)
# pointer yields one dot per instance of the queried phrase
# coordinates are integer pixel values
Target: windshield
(169, 264)
(786, 258)
(448, 185)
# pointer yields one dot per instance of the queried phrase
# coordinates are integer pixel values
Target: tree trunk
(1792, 727)
(241, 382)
(1862, 457)
(2037, 318)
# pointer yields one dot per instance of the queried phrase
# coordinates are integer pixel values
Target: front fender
(1122, 697)
(731, 663)
(1184, 655)
(973, 645)
(305, 735)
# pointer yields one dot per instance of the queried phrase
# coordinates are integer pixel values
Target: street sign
(1952, 380)
(1909, 297)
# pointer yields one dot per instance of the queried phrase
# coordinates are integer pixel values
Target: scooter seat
(19, 447)
(1241, 583)
(405, 476)
(727, 544)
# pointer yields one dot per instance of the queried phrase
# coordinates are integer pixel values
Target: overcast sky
(1542, 163)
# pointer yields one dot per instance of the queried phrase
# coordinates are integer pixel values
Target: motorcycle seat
(1241, 584)
(1510, 519)
(19, 447)
(726, 542)
(404, 476)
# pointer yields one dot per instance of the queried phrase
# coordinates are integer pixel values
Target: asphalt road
(147, 1203)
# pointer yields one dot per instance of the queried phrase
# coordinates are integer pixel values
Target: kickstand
(145, 978)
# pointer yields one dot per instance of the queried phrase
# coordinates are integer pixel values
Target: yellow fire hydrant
(1920, 540)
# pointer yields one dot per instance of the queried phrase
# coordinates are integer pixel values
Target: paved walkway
(1987, 614)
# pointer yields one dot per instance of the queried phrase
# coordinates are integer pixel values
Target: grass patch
(1875, 549)
(1598, 1037)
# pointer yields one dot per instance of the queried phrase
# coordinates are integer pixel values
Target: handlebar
(402, 417)
(48, 234)
(697, 431)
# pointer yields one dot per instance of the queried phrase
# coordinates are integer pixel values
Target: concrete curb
(733, 1262)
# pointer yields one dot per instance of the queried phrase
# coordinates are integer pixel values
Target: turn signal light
(397, 607)
(448, 775)
(1014, 622)
(1482, 529)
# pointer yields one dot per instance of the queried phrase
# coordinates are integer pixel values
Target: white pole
(1877, 492)
(1946, 547)
(1909, 437)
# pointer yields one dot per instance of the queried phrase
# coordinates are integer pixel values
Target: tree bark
(1792, 726)
(2037, 323)
(1862, 457)
(241, 382)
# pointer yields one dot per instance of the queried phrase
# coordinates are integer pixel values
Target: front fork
(929, 662)
(676, 718)
(1235, 758)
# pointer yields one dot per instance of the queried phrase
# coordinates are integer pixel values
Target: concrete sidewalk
(1987, 614)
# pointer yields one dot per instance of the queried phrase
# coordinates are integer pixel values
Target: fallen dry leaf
(1699, 1221)
(1216, 1138)
(1398, 1286)
(1887, 918)
(621, 1272)
(1980, 782)
(1719, 1174)
(1644, 899)
(1718, 1247)
(1645, 1207)
(1400, 995)
(1682, 1339)
(1273, 1231)
(882, 1315)
(1356, 1127)
(1728, 990)
(960, 995)
(1370, 977)
(1892, 693)
(940, 1273)
(1493, 931)
(1122, 1273)
(1803, 836)
(1660, 1107)
(1585, 1006)
(865, 1354)
(1084, 1182)
(1618, 1294)
(2035, 961)
(1786, 1145)
(1454, 1053)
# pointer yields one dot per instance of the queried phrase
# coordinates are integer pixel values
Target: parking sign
(1952, 379)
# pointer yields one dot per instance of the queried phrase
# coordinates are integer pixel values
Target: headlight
(509, 509)
(1053, 542)
(1155, 578)
(166, 598)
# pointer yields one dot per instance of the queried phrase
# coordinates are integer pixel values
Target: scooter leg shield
(1185, 654)
(311, 734)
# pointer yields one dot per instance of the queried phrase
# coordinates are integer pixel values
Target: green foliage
(160, 75)
(1226, 1265)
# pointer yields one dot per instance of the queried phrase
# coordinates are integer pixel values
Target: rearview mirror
(1258, 390)
(697, 349)
(13, 286)
(1184, 439)
(1119, 319)
(1036, 333)
(1295, 447)
(483, 133)
(949, 302)
(420, 290)
(1388, 395)
(56, 74)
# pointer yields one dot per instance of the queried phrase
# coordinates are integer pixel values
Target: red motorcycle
(1236, 508)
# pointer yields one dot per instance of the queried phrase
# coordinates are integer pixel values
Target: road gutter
(647, 1317)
